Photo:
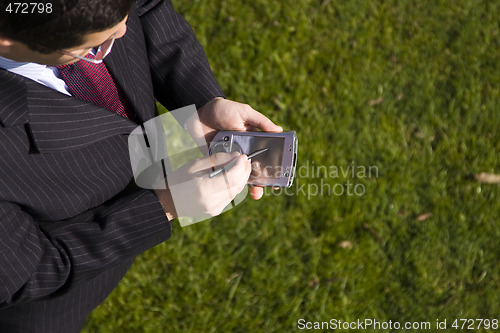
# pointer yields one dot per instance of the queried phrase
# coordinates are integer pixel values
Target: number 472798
(29, 8)
(474, 324)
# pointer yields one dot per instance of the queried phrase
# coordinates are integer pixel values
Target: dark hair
(64, 25)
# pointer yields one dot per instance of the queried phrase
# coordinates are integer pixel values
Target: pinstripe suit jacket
(66, 221)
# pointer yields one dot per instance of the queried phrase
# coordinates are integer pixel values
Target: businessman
(76, 77)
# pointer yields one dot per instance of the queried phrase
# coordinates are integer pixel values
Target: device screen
(267, 164)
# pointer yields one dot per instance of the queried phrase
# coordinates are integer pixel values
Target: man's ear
(5, 44)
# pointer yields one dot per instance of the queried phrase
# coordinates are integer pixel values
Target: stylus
(233, 163)
(257, 152)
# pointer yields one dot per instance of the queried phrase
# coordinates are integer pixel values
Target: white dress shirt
(46, 75)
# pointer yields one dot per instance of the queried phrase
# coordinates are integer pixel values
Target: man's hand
(190, 192)
(224, 115)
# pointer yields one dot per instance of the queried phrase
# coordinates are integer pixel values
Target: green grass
(409, 87)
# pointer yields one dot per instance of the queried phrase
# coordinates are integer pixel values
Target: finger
(233, 178)
(237, 177)
(249, 128)
(219, 160)
(256, 169)
(256, 192)
(256, 119)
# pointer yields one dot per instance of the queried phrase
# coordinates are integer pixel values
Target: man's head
(74, 26)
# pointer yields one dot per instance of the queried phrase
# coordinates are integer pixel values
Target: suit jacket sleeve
(40, 258)
(179, 67)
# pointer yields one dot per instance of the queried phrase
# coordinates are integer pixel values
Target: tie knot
(79, 62)
(93, 83)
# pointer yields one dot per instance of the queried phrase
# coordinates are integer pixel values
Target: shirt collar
(43, 74)
(26, 69)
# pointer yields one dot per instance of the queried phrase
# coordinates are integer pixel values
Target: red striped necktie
(93, 83)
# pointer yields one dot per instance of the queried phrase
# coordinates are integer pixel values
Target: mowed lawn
(396, 106)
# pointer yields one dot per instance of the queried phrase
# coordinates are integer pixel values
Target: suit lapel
(59, 122)
(123, 73)
(13, 101)
(54, 121)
